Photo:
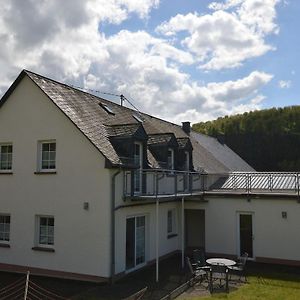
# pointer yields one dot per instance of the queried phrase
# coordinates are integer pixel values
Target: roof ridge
(109, 101)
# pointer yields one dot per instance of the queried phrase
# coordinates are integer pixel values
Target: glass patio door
(135, 241)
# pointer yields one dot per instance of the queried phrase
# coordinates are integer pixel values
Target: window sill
(172, 235)
(6, 172)
(45, 173)
(4, 245)
(43, 249)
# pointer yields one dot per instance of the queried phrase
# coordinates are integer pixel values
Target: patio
(264, 281)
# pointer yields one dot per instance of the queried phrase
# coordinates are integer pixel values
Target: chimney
(186, 127)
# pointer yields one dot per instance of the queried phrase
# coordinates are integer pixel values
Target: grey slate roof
(222, 153)
(98, 126)
(160, 138)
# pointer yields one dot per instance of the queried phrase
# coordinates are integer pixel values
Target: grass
(269, 286)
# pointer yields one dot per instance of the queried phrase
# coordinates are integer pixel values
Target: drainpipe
(182, 232)
(157, 230)
(113, 225)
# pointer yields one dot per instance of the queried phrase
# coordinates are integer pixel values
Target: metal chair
(199, 257)
(218, 277)
(197, 272)
(240, 268)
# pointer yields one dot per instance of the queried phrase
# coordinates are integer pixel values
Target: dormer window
(170, 160)
(107, 108)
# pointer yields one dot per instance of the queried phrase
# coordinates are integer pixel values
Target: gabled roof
(99, 125)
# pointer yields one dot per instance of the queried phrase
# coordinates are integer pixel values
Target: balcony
(256, 183)
(153, 183)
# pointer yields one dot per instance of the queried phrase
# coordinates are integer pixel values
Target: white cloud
(68, 46)
(226, 39)
(284, 84)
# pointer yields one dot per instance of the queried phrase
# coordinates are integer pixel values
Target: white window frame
(40, 156)
(38, 231)
(174, 222)
(2, 241)
(6, 170)
(140, 265)
(172, 158)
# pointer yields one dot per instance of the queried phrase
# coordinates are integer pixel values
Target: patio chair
(197, 272)
(240, 268)
(218, 277)
(199, 257)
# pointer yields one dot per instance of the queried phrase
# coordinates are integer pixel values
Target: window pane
(4, 227)
(43, 221)
(52, 146)
(45, 147)
(45, 156)
(51, 221)
(51, 155)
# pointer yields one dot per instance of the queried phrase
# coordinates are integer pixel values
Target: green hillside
(269, 140)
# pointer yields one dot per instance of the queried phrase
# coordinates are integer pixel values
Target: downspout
(113, 225)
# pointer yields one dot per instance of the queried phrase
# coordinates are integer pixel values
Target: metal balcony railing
(263, 182)
(153, 182)
(158, 182)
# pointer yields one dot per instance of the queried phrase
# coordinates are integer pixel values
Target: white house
(92, 190)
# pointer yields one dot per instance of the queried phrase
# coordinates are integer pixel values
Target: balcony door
(186, 168)
(135, 242)
(138, 161)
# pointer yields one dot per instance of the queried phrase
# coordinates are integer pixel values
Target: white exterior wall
(166, 245)
(82, 237)
(274, 236)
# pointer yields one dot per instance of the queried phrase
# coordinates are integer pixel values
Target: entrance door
(194, 228)
(246, 234)
(135, 241)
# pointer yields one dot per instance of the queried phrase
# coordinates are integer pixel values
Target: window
(45, 231)
(139, 119)
(187, 161)
(107, 108)
(48, 156)
(170, 162)
(6, 157)
(138, 161)
(4, 228)
(171, 222)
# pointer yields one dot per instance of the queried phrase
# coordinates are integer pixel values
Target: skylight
(107, 108)
(138, 118)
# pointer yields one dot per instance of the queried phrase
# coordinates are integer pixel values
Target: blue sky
(179, 60)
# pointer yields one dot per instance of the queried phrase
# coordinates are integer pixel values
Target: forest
(269, 140)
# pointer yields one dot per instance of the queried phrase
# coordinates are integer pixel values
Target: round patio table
(223, 261)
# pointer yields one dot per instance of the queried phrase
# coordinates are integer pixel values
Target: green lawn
(275, 286)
